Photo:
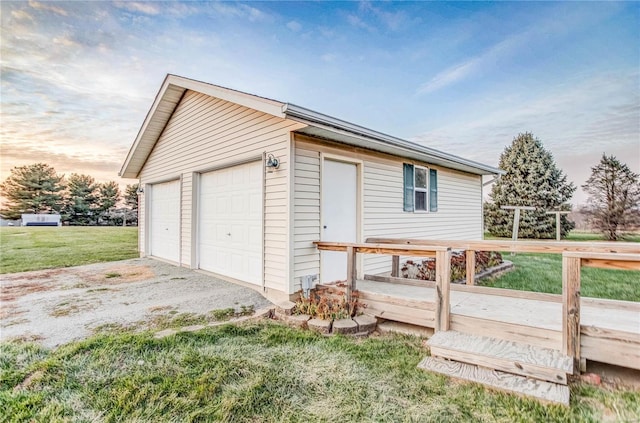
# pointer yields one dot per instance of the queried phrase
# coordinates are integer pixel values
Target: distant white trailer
(41, 220)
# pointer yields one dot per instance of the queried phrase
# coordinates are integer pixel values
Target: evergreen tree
(532, 179)
(80, 204)
(33, 188)
(614, 202)
(131, 196)
(108, 194)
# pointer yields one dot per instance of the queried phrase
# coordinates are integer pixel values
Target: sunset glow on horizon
(78, 78)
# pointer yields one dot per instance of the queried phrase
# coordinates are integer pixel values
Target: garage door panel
(231, 222)
(164, 220)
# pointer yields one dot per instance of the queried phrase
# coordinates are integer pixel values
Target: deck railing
(625, 256)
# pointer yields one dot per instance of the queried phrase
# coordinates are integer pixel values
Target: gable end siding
(207, 133)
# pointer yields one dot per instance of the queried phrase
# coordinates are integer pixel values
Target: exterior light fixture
(140, 190)
(272, 162)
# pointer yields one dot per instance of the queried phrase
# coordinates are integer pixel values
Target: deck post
(443, 289)
(395, 266)
(351, 272)
(571, 309)
(471, 266)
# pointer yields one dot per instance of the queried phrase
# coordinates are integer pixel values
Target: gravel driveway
(57, 306)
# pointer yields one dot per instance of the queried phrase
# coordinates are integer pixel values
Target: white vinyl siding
(206, 133)
(306, 226)
(459, 214)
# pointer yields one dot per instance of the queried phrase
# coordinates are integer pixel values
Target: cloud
(21, 15)
(471, 66)
(545, 28)
(294, 26)
(392, 20)
(238, 11)
(148, 8)
(577, 120)
(356, 21)
(47, 7)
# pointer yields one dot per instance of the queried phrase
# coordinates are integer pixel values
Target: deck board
(521, 311)
(499, 380)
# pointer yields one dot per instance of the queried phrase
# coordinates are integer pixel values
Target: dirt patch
(66, 308)
(118, 274)
(71, 303)
(9, 310)
(13, 292)
(29, 380)
(38, 274)
(156, 309)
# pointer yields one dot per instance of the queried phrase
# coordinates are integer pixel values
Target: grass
(543, 273)
(35, 248)
(575, 235)
(263, 373)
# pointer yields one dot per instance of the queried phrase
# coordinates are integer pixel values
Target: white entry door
(230, 222)
(339, 208)
(164, 220)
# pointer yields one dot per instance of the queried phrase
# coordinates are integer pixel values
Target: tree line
(78, 198)
(533, 179)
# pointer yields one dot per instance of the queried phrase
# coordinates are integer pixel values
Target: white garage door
(164, 219)
(230, 222)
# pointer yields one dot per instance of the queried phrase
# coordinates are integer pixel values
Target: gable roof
(318, 125)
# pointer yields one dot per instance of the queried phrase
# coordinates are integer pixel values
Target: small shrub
(426, 269)
(328, 304)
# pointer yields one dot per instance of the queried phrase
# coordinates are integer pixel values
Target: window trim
(424, 190)
(429, 191)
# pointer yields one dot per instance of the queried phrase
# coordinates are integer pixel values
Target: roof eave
(401, 147)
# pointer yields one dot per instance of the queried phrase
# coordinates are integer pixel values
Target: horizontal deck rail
(575, 255)
(557, 247)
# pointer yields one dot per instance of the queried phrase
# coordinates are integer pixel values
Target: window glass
(421, 177)
(421, 200)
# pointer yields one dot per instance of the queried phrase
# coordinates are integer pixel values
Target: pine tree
(532, 179)
(108, 194)
(614, 202)
(80, 203)
(33, 188)
(131, 196)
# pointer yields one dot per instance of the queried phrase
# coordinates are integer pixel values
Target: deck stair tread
(515, 354)
(514, 357)
(543, 390)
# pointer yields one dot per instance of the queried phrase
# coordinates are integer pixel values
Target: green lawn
(576, 236)
(35, 248)
(543, 273)
(263, 373)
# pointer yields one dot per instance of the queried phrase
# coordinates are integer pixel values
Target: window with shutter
(420, 188)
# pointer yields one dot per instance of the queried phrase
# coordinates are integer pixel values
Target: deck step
(508, 356)
(546, 391)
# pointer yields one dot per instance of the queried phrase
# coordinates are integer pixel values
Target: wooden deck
(610, 330)
(504, 338)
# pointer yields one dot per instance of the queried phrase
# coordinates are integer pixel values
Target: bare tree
(614, 202)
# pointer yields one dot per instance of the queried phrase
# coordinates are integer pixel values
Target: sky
(78, 78)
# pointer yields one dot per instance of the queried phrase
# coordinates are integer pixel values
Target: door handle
(324, 227)
(229, 234)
